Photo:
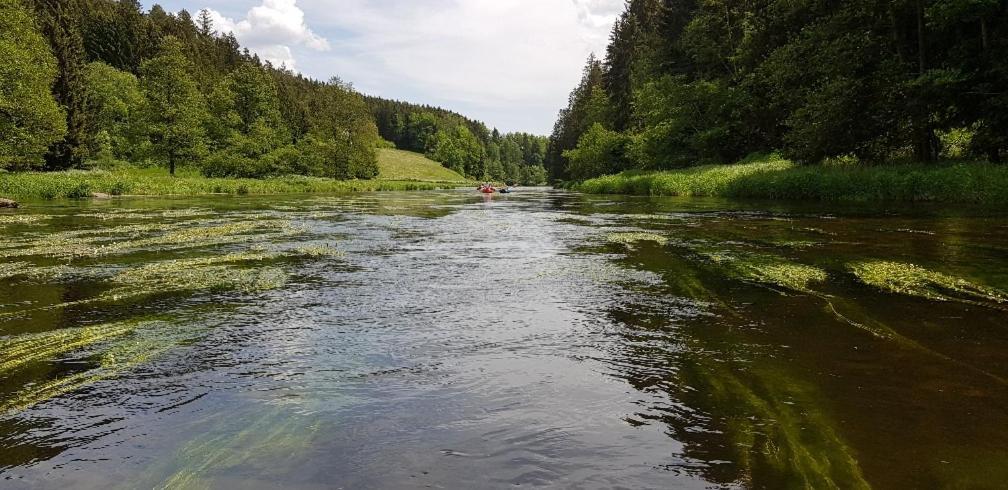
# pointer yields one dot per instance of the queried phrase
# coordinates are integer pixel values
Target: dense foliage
(87, 81)
(688, 82)
(30, 118)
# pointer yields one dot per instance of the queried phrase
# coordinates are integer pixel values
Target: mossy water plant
(635, 237)
(913, 280)
(774, 427)
(24, 349)
(109, 351)
(128, 239)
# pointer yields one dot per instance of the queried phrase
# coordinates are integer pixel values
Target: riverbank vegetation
(697, 83)
(99, 83)
(76, 184)
(772, 177)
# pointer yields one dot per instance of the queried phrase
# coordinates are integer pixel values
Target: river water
(453, 340)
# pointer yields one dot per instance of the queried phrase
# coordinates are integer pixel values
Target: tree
(175, 108)
(30, 118)
(117, 111)
(205, 23)
(59, 20)
(598, 152)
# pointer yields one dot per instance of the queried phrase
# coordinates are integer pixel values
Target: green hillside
(406, 165)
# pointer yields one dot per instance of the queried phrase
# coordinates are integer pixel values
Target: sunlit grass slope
(406, 165)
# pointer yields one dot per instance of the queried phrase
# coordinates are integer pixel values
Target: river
(452, 340)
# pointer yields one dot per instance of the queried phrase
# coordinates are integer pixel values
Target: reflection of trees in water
(750, 420)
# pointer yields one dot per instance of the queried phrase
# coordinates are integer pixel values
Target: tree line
(86, 82)
(687, 82)
(464, 145)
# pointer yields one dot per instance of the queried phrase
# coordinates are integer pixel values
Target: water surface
(449, 339)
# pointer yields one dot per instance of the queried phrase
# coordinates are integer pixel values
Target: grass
(188, 182)
(772, 177)
(399, 165)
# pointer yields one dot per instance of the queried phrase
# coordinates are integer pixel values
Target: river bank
(772, 177)
(156, 182)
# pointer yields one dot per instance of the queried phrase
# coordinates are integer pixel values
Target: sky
(508, 63)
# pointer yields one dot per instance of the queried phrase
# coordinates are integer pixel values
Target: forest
(861, 82)
(103, 84)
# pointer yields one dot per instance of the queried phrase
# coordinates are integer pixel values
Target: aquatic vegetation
(99, 243)
(270, 437)
(631, 238)
(142, 214)
(35, 394)
(22, 219)
(913, 280)
(181, 276)
(24, 349)
(116, 349)
(797, 277)
(767, 269)
(24, 269)
(318, 251)
(775, 428)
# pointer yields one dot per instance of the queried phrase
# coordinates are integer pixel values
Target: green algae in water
(632, 238)
(22, 219)
(124, 240)
(776, 431)
(272, 437)
(115, 349)
(769, 270)
(318, 251)
(10, 270)
(18, 351)
(913, 280)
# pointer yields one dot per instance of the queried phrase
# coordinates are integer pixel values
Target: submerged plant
(113, 350)
(24, 269)
(631, 238)
(913, 280)
(24, 349)
(775, 428)
(768, 270)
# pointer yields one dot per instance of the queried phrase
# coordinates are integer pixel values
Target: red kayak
(487, 190)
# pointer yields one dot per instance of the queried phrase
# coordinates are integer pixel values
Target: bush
(599, 152)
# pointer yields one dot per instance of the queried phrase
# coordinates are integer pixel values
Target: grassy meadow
(406, 165)
(772, 177)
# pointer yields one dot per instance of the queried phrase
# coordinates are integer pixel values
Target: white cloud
(271, 29)
(510, 63)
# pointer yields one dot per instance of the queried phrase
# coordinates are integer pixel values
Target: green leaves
(175, 107)
(30, 118)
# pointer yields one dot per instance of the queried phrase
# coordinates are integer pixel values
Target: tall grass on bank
(156, 182)
(772, 177)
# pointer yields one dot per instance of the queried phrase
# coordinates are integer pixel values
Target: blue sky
(509, 63)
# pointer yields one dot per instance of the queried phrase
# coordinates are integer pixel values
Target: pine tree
(205, 23)
(59, 20)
